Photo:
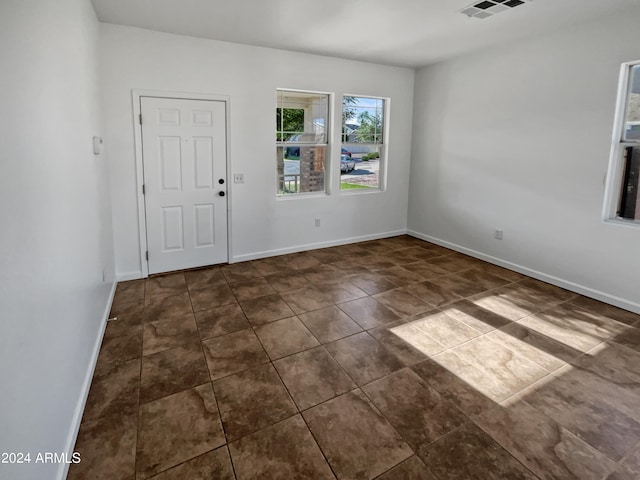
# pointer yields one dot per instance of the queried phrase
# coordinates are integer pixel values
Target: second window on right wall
(362, 156)
(624, 170)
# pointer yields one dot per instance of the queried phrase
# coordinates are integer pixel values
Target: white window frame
(328, 148)
(384, 147)
(615, 172)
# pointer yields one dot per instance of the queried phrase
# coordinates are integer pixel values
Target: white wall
(261, 225)
(56, 226)
(517, 138)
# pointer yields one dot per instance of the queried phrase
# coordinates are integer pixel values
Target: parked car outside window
(347, 164)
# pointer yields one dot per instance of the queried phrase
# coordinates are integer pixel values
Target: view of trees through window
(362, 142)
(290, 122)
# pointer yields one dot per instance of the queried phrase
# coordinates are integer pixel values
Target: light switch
(97, 145)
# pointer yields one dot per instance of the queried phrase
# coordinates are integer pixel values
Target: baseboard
(77, 417)
(313, 246)
(123, 277)
(560, 282)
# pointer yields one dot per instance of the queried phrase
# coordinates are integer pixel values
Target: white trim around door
(136, 94)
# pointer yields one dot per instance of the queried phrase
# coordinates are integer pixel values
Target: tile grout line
(187, 389)
(299, 412)
(632, 451)
(473, 422)
(215, 398)
(165, 396)
(271, 361)
(551, 420)
(139, 406)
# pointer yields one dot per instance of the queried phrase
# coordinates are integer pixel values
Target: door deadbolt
(221, 181)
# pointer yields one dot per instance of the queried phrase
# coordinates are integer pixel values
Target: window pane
(301, 117)
(629, 198)
(362, 120)
(301, 169)
(290, 122)
(632, 119)
(360, 167)
(301, 141)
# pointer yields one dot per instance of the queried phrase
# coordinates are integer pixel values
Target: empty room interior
(348, 239)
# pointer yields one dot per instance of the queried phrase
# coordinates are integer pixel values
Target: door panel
(205, 221)
(168, 116)
(172, 229)
(203, 160)
(202, 118)
(170, 163)
(184, 157)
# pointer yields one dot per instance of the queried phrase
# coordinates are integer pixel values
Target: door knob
(221, 194)
(221, 181)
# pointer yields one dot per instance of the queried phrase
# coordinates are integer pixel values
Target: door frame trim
(136, 95)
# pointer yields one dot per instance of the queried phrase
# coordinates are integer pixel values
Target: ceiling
(410, 33)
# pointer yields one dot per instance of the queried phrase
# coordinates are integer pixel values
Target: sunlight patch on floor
(502, 362)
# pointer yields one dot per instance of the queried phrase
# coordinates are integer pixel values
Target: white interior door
(185, 182)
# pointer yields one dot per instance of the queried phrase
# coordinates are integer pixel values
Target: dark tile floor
(390, 359)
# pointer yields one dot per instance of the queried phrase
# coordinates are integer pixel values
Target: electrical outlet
(317, 222)
(238, 178)
(498, 235)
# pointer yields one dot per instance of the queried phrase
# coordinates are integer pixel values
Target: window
(362, 156)
(302, 138)
(624, 170)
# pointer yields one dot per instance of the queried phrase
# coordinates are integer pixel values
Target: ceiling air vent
(487, 8)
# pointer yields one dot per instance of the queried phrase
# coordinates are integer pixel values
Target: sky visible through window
(364, 104)
(362, 120)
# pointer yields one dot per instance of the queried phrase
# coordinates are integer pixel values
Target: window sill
(622, 222)
(300, 196)
(361, 191)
